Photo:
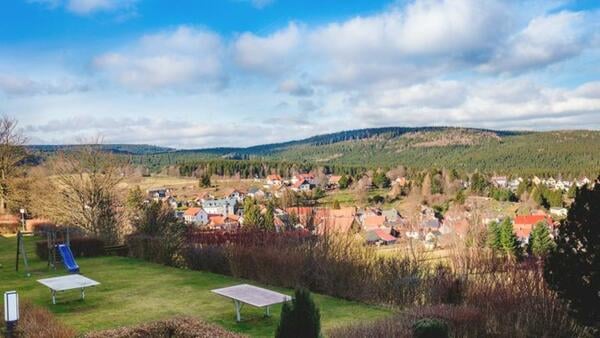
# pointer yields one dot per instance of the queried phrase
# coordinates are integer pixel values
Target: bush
(300, 318)
(38, 322)
(181, 327)
(150, 248)
(211, 258)
(80, 247)
(430, 328)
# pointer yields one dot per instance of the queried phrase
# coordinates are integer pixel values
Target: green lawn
(135, 291)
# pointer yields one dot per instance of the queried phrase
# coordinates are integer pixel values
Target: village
(378, 224)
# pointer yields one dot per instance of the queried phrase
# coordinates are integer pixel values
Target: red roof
(192, 211)
(274, 178)
(533, 219)
(384, 235)
(373, 221)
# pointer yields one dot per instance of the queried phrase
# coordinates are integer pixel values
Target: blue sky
(191, 73)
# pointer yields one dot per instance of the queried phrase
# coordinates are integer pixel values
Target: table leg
(53, 297)
(82, 293)
(237, 310)
(268, 311)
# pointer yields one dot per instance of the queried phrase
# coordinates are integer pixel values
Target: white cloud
(182, 58)
(19, 85)
(546, 39)
(269, 55)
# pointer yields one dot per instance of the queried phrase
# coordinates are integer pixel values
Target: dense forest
(570, 153)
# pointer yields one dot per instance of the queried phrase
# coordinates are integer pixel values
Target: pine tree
(301, 318)
(344, 182)
(268, 222)
(253, 220)
(135, 199)
(508, 240)
(573, 267)
(493, 236)
(540, 241)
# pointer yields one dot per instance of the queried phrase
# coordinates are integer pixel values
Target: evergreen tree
(253, 220)
(301, 318)
(344, 182)
(508, 240)
(573, 267)
(478, 183)
(540, 241)
(460, 197)
(572, 192)
(381, 180)
(204, 180)
(493, 236)
(268, 222)
(538, 197)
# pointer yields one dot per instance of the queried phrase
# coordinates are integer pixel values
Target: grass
(134, 291)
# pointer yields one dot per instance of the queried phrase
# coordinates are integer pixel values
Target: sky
(200, 73)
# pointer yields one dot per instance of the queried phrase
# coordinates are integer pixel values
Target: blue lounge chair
(67, 258)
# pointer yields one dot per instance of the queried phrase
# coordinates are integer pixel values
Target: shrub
(430, 328)
(38, 322)
(211, 258)
(80, 247)
(181, 327)
(149, 248)
(300, 318)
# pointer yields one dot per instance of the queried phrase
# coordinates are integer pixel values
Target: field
(134, 291)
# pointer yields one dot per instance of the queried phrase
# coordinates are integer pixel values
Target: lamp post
(22, 219)
(11, 312)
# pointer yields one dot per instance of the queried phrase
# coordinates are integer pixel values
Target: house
(523, 225)
(580, 183)
(559, 212)
(222, 206)
(334, 181)
(380, 237)
(171, 201)
(224, 222)
(338, 225)
(514, 184)
(391, 215)
(371, 222)
(232, 193)
(158, 194)
(195, 216)
(431, 224)
(274, 180)
(400, 181)
(499, 181)
(309, 178)
(301, 185)
(256, 193)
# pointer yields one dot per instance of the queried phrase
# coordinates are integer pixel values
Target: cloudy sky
(190, 73)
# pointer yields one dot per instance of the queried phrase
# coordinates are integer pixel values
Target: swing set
(56, 239)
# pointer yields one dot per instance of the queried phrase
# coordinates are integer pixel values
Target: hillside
(554, 152)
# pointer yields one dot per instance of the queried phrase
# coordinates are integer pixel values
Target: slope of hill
(552, 153)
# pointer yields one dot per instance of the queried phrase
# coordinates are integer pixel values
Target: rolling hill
(554, 152)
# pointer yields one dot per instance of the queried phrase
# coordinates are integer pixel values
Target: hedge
(80, 247)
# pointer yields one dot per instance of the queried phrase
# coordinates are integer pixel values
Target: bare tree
(12, 154)
(85, 185)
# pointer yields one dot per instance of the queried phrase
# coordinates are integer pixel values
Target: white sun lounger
(252, 295)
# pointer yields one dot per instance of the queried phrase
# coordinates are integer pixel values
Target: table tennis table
(252, 295)
(65, 283)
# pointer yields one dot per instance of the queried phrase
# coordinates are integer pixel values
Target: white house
(559, 212)
(274, 180)
(195, 216)
(222, 206)
(500, 181)
(303, 185)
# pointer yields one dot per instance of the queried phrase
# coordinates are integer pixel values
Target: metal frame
(54, 290)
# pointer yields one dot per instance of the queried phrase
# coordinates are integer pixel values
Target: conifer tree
(573, 267)
(540, 241)
(493, 236)
(268, 222)
(300, 318)
(508, 240)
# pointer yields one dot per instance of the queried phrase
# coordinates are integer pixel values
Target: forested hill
(554, 152)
